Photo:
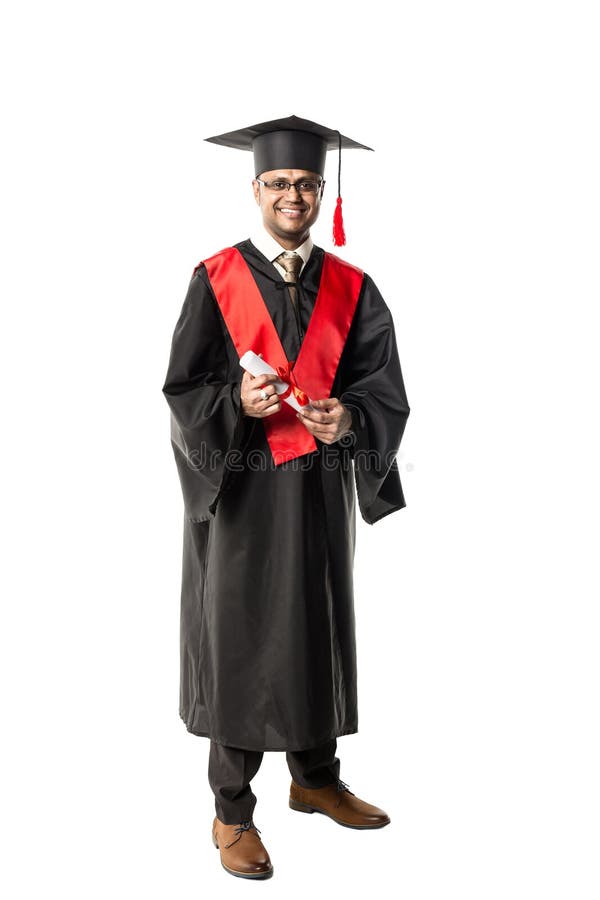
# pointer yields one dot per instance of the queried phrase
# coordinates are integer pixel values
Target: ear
(256, 189)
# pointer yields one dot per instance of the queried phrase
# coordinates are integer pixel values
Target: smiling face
(288, 215)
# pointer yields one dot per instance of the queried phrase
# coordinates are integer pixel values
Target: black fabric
(289, 143)
(289, 150)
(230, 771)
(246, 138)
(315, 767)
(268, 656)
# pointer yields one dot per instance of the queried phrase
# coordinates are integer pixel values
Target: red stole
(251, 328)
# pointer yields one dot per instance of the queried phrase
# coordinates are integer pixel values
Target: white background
(476, 605)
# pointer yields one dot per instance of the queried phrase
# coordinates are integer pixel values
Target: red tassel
(339, 236)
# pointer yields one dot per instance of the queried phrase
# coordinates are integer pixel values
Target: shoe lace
(245, 826)
(342, 786)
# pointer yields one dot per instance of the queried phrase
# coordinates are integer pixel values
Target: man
(268, 655)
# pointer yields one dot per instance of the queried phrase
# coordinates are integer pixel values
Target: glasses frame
(291, 184)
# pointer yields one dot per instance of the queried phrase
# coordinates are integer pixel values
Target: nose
(294, 187)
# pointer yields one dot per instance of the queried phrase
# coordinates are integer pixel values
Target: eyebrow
(304, 178)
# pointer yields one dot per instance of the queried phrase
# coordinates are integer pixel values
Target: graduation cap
(293, 143)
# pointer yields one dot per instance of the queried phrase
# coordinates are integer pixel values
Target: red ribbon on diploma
(285, 374)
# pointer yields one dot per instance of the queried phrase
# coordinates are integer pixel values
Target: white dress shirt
(271, 248)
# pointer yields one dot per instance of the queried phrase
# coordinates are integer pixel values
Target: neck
(290, 242)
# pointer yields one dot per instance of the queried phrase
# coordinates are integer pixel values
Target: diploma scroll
(258, 366)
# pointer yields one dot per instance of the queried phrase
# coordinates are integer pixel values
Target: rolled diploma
(256, 365)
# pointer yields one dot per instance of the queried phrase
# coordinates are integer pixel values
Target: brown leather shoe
(242, 851)
(339, 803)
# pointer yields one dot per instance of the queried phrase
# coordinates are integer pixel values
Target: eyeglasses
(303, 187)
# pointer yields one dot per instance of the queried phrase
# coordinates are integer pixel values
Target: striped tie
(292, 263)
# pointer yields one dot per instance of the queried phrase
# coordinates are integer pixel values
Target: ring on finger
(263, 394)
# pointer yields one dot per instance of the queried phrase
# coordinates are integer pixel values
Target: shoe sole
(253, 875)
(303, 807)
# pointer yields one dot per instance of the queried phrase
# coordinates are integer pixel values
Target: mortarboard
(293, 143)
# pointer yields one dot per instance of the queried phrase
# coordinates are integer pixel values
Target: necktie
(292, 263)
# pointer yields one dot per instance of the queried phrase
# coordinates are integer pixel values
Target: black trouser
(230, 771)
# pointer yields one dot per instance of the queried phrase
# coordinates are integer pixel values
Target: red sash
(251, 328)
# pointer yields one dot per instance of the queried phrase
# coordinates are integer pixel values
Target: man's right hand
(252, 402)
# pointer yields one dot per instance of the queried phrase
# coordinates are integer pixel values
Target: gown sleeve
(207, 419)
(373, 390)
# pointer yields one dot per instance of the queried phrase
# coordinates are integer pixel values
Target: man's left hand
(329, 421)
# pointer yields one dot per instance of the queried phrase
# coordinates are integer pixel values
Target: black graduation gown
(268, 654)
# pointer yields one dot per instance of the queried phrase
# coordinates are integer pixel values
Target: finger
(249, 377)
(273, 408)
(266, 375)
(326, 407)
(327, 432)
(325, 436)
(325, 402)
(266, 378)
(270, 392)
(316, 417)
(316, 428)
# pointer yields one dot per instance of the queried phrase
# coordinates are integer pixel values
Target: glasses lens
(308, 187)
(305, 187)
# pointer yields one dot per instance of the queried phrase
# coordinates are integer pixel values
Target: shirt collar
(271, 248)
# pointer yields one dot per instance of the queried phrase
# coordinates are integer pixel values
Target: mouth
(291, 212)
